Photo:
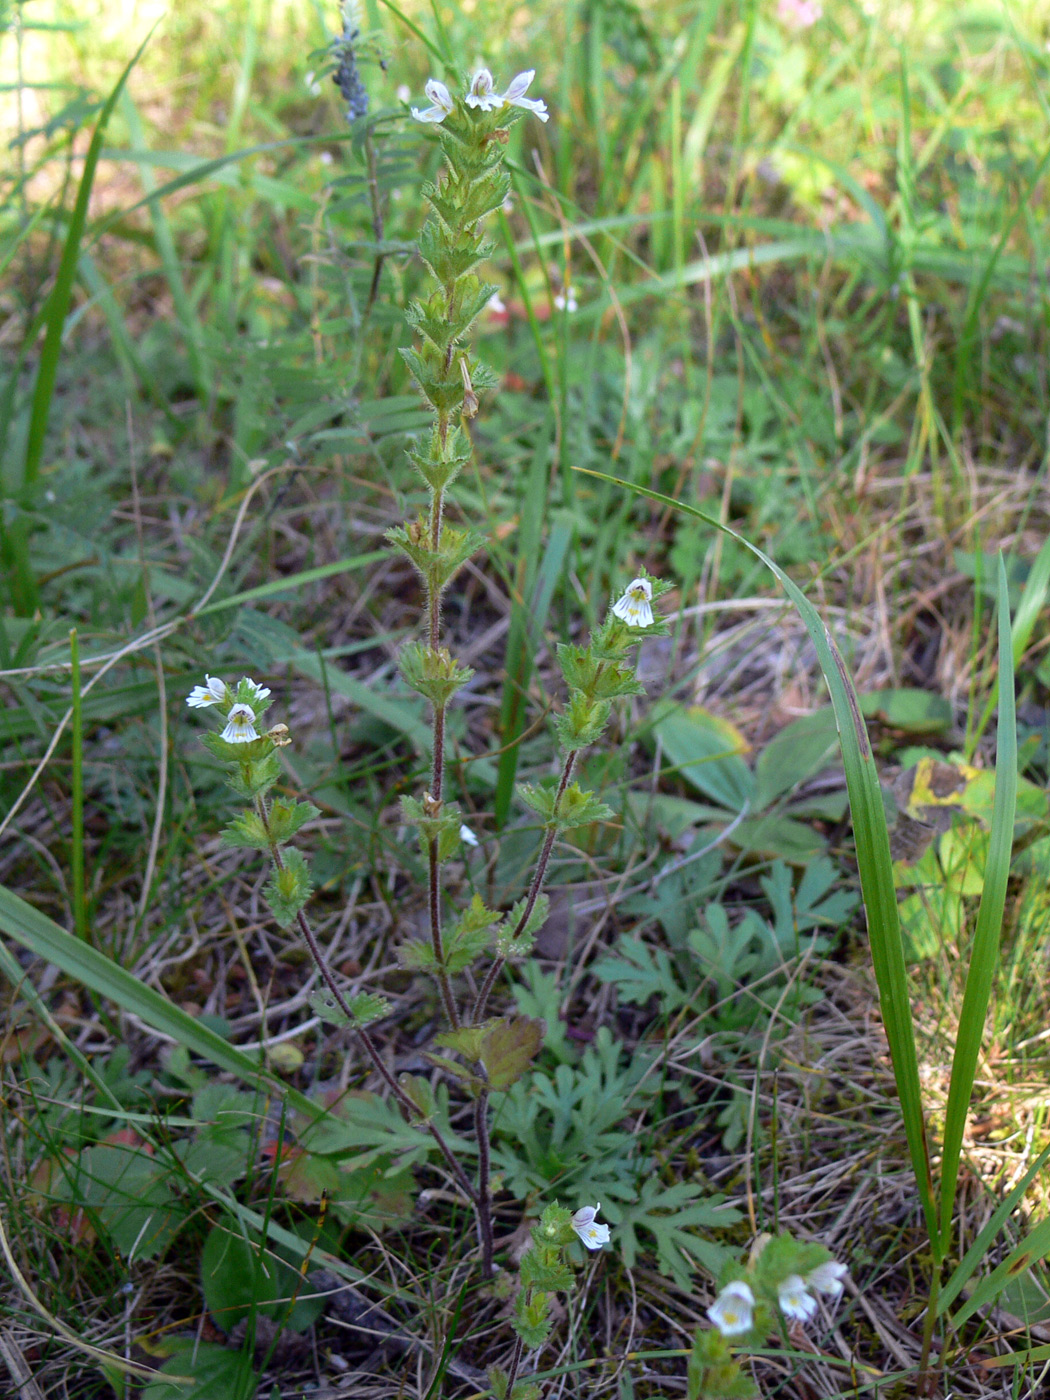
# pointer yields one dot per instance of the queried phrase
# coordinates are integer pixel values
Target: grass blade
(45, 938)
(1029, 610)
(62, 292)
(984, 958)
(970, 1262)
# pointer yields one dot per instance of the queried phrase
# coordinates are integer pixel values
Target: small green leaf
(468, 937)
(364, 1008)
(508, 1047)
(467, 1041)
(246, 830)
(287, 817)
(580, 808)
(472, 1083)
(582, 722)
(238, 1275)
(706, 751)
(289, 888)
(509, 946)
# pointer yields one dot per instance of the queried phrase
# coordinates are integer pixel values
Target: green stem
(80, 923)
(371, 1049)
(928, 1325)
(535, 890)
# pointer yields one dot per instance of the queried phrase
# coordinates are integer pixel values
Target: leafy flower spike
(634, 607)
(732, 1312)
(212, 692)
(827, 1278)
(483, 92)
(593, 1236)
(240, 725)
(515, 95)
(795, 1302)
(442, 103)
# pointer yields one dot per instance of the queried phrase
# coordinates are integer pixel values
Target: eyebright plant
(484, 1056)
(780, 1280)
(473, 131)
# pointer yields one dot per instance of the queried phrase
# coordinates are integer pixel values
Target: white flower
(404, 93)
(259, 692)
(515, 96)
(495, 304)
(827, 1278)
(794, 1301)
(442, 103)
(240, 725)
(467, 837)
(593, 1236)
(634, 607)
(212, 692)
(566, 299)
(312, 85)
(483, 92)
(733, 1309)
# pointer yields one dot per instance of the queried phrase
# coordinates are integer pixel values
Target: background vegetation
(792, 274)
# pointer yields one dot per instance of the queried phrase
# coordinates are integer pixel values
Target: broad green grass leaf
(799, 751)
(62, 292)
(705, 750)
(218, 1373)
(984, 955)
(129, 1194)
(42, 936)
(913, 711)
(1034, 1248)
(971, 1261)
(237, 1276)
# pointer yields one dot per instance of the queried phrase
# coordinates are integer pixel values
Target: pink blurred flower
(799, 14)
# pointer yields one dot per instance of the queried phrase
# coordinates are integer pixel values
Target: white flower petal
(240, 725)
(212, 692)
(515, 95)
(467, 837)
(732, 1311)
(259, 692)
(634, 607)
(828, 1278)
(442, 100)
(794, 1301)
(483, 91)
(519, 86)
(439, 94)
(592, 1234)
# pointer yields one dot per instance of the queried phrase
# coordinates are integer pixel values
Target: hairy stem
(371, 1049)
(436, 944)
(515, 1364)
(535, 890)
(484, 1202)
